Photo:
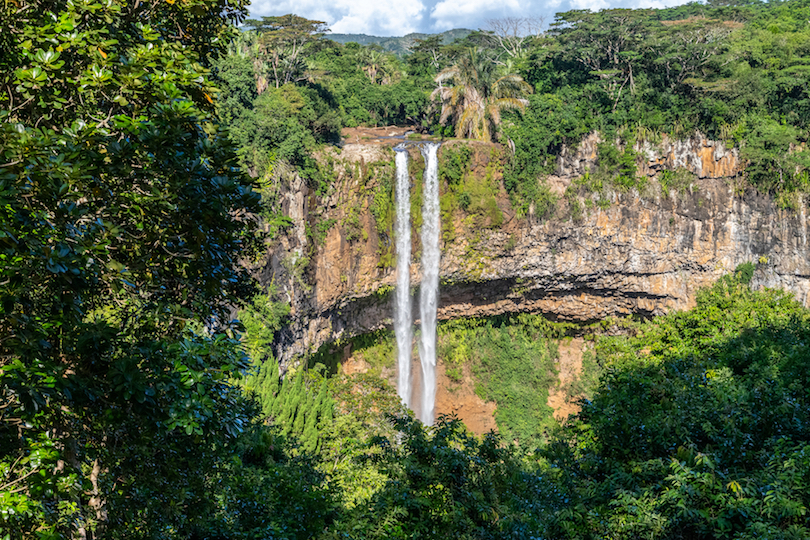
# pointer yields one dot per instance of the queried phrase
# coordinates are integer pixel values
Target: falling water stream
(402, 311)
(429, 287)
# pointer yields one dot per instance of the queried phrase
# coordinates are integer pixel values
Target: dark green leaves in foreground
(121, 214)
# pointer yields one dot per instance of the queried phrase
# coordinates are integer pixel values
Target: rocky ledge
(643, 253)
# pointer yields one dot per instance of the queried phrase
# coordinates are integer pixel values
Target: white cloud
(596, 5)
(593, 5)
(656, 4)
(400, 17)
(377, 17)
(472, 14)
(381, 17)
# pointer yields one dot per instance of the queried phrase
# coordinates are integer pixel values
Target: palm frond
(511, 86)
(510, 103)
(470, 122)
(447, 74)
(476, 98)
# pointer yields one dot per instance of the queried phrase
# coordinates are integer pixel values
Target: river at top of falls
(402, 310)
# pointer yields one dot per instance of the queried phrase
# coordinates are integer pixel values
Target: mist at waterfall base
(429, 286)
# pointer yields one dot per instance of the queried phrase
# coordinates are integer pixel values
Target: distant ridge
(398, 45)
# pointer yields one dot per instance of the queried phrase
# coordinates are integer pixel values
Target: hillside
(399, 45)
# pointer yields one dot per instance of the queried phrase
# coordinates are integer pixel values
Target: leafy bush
(261, 318)
(267, 490)
(700, 423)
(513, 360)
(454, 163)
(618, 168)
(444, 482)
(550, 121)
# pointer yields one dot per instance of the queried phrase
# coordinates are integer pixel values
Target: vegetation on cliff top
(736, 72)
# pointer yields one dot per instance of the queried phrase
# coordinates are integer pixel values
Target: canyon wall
(626, 253)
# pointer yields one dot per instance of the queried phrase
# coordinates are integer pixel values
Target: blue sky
(400, 17)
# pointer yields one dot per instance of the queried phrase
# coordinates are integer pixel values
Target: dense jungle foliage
(696, 426)
(737, 72)
(131, 406)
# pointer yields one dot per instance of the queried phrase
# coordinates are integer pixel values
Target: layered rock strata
(643, 253)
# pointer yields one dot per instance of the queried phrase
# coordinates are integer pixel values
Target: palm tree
(477, 95)
(372, 64)
(376, 64)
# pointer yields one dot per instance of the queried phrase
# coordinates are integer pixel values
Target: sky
(400, 17)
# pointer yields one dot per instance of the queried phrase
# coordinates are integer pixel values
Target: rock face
(701, 156)
(644, 253)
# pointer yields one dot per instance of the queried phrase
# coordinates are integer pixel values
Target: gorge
(643, 255)
(628, 253)
(245, 295)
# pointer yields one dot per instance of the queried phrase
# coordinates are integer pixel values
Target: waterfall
(402, 310)
(429, 288)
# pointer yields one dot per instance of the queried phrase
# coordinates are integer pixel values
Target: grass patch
(512, 359)
(377, 349)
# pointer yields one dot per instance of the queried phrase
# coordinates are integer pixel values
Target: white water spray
(402, 310)
(429, 289)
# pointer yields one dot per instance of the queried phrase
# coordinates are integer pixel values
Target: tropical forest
(543, 279)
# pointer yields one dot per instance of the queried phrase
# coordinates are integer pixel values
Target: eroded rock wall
(645, 253)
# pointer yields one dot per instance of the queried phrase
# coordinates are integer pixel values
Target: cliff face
(645, 253)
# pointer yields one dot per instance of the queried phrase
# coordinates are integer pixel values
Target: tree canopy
(122, 214)
(131, 406)
(281, 41)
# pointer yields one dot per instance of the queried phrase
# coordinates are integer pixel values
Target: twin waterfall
(429, 288)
